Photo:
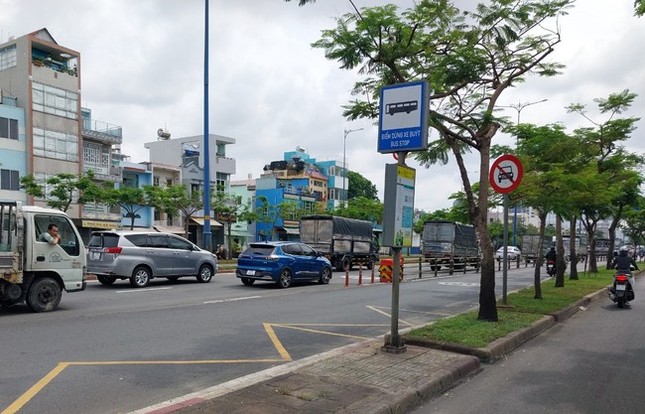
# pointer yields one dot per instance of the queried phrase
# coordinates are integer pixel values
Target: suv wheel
(205, 274)
(140, 277)
(285, 278)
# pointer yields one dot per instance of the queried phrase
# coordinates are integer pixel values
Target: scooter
(550, 267)
(621, 291)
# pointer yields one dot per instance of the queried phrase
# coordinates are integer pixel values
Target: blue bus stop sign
(403, 119)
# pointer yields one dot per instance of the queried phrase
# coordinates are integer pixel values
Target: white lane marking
(231, 300)
(142, 290)
(459, 284)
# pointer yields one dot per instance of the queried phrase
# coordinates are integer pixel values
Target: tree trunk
(560, 264)
(612, 235)
(537, 281)
(573, 272)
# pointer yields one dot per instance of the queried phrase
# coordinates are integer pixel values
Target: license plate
(250, 272)
(95, 255)
(621, 287)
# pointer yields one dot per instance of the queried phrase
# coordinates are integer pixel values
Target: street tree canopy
(469, 59)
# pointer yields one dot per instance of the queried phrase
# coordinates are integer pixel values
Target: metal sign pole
(505, 255)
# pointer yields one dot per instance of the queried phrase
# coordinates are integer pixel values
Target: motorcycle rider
(550, 255)
(623, 263)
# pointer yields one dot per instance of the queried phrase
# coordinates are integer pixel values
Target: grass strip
(522, 311)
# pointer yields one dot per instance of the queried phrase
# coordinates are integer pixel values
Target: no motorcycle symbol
(506, 173)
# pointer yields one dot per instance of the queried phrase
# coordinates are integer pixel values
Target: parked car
(142, 256)
(282, 263)
(512, 253)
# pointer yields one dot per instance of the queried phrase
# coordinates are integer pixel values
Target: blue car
(282, 263)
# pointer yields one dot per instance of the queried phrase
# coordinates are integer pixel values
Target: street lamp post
(518, 107)
(347, 132)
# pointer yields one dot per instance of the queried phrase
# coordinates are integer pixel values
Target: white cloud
(142, 68)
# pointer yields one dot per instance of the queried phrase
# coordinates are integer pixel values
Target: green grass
(523, 309)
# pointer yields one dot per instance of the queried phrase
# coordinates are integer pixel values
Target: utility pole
(347, 132)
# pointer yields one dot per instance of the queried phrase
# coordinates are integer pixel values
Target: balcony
(102, 132)
(102, 173)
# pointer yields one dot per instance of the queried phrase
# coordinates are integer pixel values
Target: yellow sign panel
(99, 224)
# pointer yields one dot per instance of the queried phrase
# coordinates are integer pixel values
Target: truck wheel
(347, 263)
(140, 277)
(370, 263)
(106, 280)
(44, 295)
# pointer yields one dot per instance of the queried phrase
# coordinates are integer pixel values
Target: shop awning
(292, 230)
(200, 221)
(170, 229)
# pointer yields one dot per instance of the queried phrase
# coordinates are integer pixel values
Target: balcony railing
(102, 131)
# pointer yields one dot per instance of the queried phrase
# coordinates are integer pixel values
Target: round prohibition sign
(506, 173)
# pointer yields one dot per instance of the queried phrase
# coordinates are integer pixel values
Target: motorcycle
(550, 267)
(621, 291)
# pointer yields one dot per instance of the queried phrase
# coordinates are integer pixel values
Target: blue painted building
(13, 148)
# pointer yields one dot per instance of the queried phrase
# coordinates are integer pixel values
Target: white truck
(31, 269)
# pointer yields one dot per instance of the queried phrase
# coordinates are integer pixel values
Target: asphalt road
(594, 362)
(117, 349)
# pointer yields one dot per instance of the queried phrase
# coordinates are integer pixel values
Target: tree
(359, 186)
(175, 199)
(469, 60)
(639, 6)
(226, 210)
(601, 142)
(130, 199)
(63, 189)
(362, 208)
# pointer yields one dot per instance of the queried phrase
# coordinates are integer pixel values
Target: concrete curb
(499, 348)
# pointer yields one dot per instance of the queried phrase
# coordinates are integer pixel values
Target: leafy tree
(130, 199)
(634, 226)
(359, 186)
(469, 60)
(362, 208)
(64, 189)
(175, 199)
(639, 6)
(227, 208)
(601, 142)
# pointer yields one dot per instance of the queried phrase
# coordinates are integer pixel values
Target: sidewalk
(358, 378)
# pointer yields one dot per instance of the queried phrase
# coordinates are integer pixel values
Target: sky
(142, 67)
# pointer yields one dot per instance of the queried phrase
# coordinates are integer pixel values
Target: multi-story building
(165, 176)
(243, 232)
(187, 154)
(136, 175)
(13, 148)
(43, 77)
(296, 179)
(102, 156)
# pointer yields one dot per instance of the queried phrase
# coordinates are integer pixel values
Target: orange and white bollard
(372, 281)
(347, 277)
(360, 274)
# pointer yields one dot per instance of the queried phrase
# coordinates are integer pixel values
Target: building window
(9, 180)
(8, 57)
(8, 128)
(155, 181)
(96, 157)
(56, 101)
(59, 145)
(169, 182)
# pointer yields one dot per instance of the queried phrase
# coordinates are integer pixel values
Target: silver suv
(142, 256)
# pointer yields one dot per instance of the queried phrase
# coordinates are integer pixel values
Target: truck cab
(33, 270)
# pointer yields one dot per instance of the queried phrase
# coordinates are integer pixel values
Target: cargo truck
(531, 247)
(344, 241)
(33, 269)
(450, 244)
